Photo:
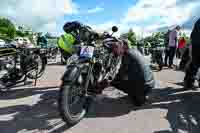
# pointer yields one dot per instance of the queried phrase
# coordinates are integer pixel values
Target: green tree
(20, 33)
(7, 28)
(155, 39)
(48, 35)
(131, 36)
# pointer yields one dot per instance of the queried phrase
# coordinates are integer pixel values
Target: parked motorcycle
(26, 63)
(94, 65)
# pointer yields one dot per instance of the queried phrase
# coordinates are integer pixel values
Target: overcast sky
(141, 15)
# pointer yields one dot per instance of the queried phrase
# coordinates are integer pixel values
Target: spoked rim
(38, 66)
(76, 100)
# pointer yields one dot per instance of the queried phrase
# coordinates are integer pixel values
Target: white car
(2, 43)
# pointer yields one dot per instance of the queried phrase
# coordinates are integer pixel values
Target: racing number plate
(87, 51)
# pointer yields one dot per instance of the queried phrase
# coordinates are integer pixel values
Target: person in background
(173, 44)
(186, 57)
(42, 41)
(147, 48)
(166, 42)
(192, 70)
(189, 56)
(181, 46)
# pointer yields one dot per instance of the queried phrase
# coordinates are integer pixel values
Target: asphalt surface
(33, 109)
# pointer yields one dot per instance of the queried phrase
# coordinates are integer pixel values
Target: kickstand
(25, 79)
(36, 76)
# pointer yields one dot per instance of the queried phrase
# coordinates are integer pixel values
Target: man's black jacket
(135, 73)
(195, 34)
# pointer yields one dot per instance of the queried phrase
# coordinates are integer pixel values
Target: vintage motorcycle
(18, 64)
(94, 65)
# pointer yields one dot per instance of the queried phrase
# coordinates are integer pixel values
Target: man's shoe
(188, 86)
(100, 87)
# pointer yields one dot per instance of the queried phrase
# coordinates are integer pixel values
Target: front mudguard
(71, 74)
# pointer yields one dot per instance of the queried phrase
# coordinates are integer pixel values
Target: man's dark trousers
(172, 52)
(166, 56)
(192, 70)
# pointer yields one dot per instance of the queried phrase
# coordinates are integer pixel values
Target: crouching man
(135, 76)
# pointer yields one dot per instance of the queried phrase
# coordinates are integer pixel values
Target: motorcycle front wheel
(72, 103)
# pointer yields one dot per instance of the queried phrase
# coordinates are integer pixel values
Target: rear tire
(40, 71)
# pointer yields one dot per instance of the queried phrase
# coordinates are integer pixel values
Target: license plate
(87, 51)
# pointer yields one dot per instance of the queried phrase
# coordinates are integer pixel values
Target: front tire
(64, 106)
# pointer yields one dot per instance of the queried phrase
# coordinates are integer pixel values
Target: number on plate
(87, 51)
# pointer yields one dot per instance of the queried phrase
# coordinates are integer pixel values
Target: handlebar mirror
(114, 29)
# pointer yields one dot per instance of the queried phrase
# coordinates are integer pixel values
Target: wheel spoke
(76, 101)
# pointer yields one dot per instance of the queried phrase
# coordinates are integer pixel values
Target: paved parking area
(29, 109)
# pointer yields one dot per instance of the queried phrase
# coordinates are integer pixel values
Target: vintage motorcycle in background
(18, 64)
(95, 63)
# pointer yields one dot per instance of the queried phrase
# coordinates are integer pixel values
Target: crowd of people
(176, 47)
(186, 51)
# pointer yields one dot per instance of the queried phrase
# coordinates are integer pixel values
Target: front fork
(88, 79)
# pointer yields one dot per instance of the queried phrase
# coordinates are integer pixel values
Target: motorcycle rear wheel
(41, 68)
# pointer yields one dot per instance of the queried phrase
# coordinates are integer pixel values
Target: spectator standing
(173, 44)
(181, 46)
(166, 42)
(42, 41)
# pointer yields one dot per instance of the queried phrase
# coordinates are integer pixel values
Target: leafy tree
(155, 39)
(131, 36)
(7, 28)
(48, 35)
(20, 33)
